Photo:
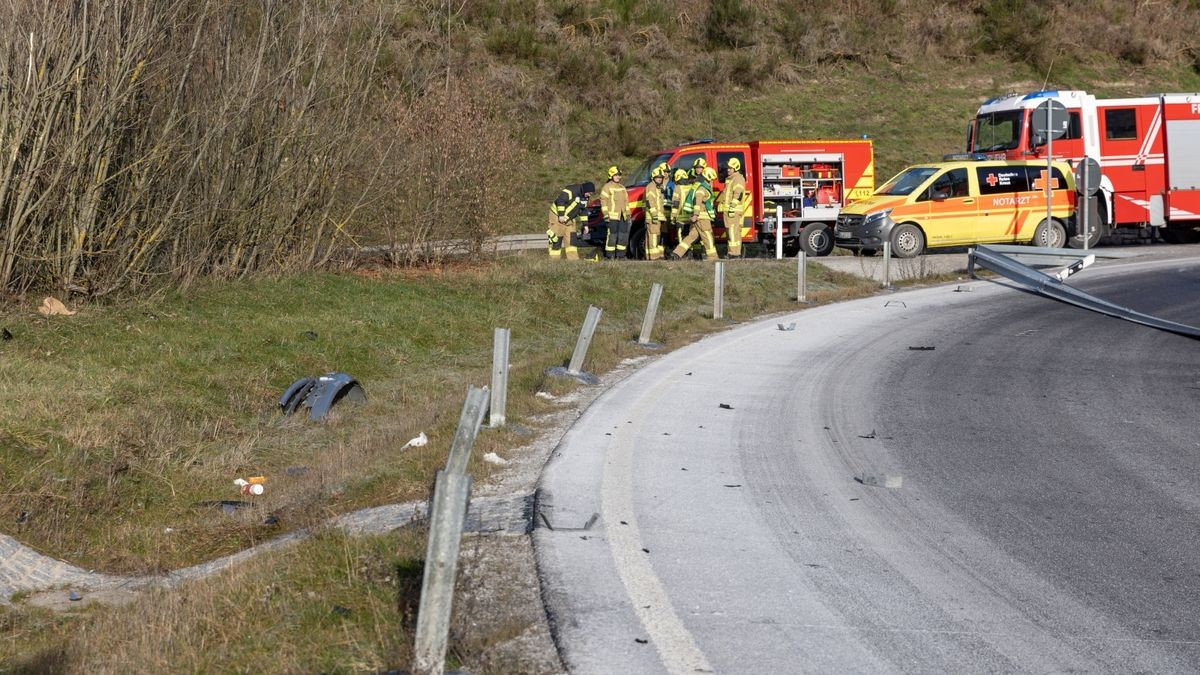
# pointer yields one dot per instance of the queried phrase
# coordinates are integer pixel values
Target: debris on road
(319, 394)
(726, 406)
(870, 435)
(249, 488)
(887, 480)
(493, 458)
(74, 597)
(420, 441)
(545, 395)
(790, 326)
(920, 349)
(54, 307)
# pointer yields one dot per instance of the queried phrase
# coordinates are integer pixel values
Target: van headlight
(876, 217)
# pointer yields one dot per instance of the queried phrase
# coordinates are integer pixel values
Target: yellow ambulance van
(962, 202)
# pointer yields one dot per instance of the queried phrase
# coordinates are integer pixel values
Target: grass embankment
(118, 421)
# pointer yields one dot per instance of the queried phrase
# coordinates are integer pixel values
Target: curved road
(1047, 516)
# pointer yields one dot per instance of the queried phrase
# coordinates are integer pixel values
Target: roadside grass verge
(121, 419)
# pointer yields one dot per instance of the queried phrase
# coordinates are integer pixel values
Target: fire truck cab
(1148, 149)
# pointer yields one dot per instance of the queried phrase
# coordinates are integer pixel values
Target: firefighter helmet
(658, 172)
(613, 171)
(710, 174)
(735, 164)
(663, 168)
(699, 163)
(680, 174)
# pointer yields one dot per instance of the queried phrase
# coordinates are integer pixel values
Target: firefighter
(614, 206)
(700, 210)
(684, 183)
(568, 213)
(733, 206)
(656, 215)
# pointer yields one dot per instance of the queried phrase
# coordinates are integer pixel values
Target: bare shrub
(176, 139)
(450, 163)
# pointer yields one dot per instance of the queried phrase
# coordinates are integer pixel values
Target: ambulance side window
(1036, 174)
(951, 184)
(1120, 124)
(994, 180)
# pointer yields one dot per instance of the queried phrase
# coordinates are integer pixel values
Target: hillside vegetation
(165, 142)
(585, 84)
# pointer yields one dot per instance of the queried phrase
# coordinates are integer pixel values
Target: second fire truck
(1148, 149)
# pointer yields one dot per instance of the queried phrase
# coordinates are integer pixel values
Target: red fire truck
(1148, 149)
(809, 180)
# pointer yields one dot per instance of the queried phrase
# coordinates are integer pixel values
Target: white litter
(545, 395)
(419, 442)
(493, 458)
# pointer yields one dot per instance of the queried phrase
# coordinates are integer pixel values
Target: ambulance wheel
(908, 241)
(816, 239)
(1050, 234)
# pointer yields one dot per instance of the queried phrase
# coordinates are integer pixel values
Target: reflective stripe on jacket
(614, 201)
(654, 203)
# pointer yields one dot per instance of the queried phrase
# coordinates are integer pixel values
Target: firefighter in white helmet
(700, 209)
(614, 206)
(732, 206)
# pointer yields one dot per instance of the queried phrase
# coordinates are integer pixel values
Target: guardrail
(1054, 288)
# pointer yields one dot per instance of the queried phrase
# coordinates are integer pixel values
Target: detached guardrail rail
(991, 258)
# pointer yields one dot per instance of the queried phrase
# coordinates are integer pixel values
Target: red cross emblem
(1040, 183)
(991, 180)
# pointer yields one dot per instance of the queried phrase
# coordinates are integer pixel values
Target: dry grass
(138, 412)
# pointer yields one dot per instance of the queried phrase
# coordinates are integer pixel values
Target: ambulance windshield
(997, 131)
(907, 181)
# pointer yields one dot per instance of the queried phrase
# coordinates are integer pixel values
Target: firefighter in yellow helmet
(700, 209)
(614, 207)
(684, 184)
(732, 206)
(568, 213)
(656, 214)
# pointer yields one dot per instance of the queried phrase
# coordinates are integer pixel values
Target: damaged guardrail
(1053, 287)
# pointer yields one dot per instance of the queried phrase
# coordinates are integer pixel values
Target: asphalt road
(1047, 517)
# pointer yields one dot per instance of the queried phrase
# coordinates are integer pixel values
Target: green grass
(119, 419)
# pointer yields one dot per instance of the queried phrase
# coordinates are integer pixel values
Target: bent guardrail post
(468, 428)
(719, 290)
(651, 312)
(451, 496)
(575, 368)
(801, 277)
(501, 338)
(1053, 288)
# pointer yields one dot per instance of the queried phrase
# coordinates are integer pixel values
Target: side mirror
(1036, 140)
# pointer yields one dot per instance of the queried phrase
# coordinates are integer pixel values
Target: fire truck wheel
(908, 241)
(816, 239)
(1050, 234)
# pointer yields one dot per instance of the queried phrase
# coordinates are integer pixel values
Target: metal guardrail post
(779, 233)
(887, 264)
(719, 291)
(585, 339)
(651, 312)
(468, 428)
(501, 338)
(801, 277)
(451, 496)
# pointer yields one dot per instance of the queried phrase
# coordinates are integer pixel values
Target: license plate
(843, 235)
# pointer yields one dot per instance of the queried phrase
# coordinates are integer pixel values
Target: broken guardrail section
(1052, 287)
